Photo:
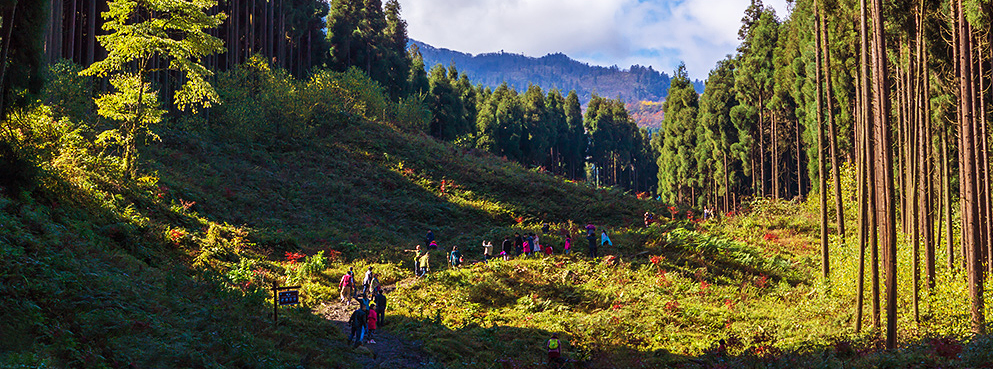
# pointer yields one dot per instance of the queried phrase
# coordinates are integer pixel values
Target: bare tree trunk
(884, 185)
(968, 194)
(822, 182)
(833, 133)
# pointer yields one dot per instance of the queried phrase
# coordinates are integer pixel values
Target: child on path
(417, 259)
(554, 350)
(425, 263)
(371, 323)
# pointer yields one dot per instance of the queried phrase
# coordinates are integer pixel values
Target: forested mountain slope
(554, 71)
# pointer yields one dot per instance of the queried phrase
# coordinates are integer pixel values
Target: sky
(657, 33)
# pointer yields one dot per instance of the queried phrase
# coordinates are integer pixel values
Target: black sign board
(289, 297)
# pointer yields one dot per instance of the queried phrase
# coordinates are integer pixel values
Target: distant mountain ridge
(557, 70)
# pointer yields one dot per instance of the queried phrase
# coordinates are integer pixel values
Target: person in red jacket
(371, 327)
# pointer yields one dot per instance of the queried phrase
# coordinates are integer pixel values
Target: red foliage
(762, 281)
(293, 257)
(333, 255)
(703, 287)
(643, 195)
(176, 235)
(730, 304)
(519, 219)
(770, 237)
(657, 259)
(672, 306)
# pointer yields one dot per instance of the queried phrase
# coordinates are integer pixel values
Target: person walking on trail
(380, 300)
(428, 238)
(425, 263)
(371, 323)
(357, 322)
(346, 285)
(604, 239)
(507, 248)
(455, 258)
(592, 248)
(518, 244)
(568, 244)
(536, 246)
(487, 251)
(367, 281)
(374, 284)
(417, 259)
(554, 350)
(530, 241)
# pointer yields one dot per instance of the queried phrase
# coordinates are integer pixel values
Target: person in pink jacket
(371, 327)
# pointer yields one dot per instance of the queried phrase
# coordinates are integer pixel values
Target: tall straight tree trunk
(983, 163)
(72, 31)
(924, 138)
(912, 148)
(91, 29)
(822, 182)
(761, 147)
(833, 132)
(968, 194)
(946, 201)
(861, 162)
(869, 164)
(799, 167)
(774, 141)
(884, 167)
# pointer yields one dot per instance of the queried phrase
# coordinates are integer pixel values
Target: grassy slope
(87, 266)
(375, 187)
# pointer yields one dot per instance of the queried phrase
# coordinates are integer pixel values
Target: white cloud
(660, 33)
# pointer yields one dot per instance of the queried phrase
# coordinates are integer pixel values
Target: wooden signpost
(288, 295)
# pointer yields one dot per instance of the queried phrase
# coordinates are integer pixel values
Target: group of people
(370, 313)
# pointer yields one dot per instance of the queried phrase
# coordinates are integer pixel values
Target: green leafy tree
(575, 141)
(678, 140)
(141, 32)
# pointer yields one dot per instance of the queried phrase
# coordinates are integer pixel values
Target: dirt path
(390, 350)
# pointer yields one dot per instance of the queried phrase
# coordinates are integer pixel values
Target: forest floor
(391, 350)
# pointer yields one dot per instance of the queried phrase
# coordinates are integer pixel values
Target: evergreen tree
(678, 140)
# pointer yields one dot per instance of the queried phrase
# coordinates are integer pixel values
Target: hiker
(366, 281)
(554, 350)
(417, 259)
(530, 240)
(527, 248)
(425, 263)
(380, 300)
(590, 229)
(568, 244)
(357, 322)
(548, 250)
(592, 248)
(544, 228)
(536, 246)
(604, 240)
(507, 248)
(455, 258)
(428, 238)
(374, 283)
(346, 285)
(518, 244)
(487, 251)
(371, 323)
